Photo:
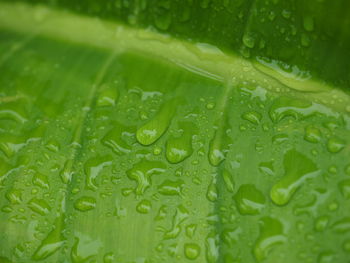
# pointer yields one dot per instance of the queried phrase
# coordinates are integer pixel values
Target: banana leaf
(175, 131)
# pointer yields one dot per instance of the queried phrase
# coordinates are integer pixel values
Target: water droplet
(212, 192)
(212, 247)
(14, 196)
(142, 171)
(163, 19)
(92, 169)
(248, 40)
(144, 206)
(119, 138)
(181, 215)
(210, 105)
(85, 203)
(346, 245)
(169, 187)
(180, 148)
(228, 180)
(109, 258)
(342, 225)
(321, 223)
(286, 13)
(284, 106)
(305, 40)
(297, 168)
(107, 97)
(39, 206)
(312, 134)
(271, 235)
(252, 116)
(335, 145)
(344, 187)
(191, 250)
(205, 3)
(326, 257)
(41, 181)
(66, 173)
(190, 230)
(156, 127)
(218, 147)
(249, 200)
(308, 23)
(53, 241)
(267, 168)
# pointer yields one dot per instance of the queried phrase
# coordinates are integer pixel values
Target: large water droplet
(249, 200)
(155, 128)
(297, 168)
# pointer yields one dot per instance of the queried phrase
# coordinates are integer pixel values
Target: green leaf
(122, 144)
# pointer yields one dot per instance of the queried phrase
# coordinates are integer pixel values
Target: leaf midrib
(201, 59)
